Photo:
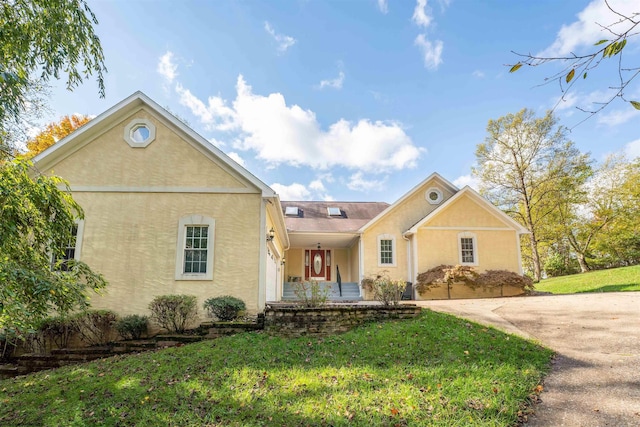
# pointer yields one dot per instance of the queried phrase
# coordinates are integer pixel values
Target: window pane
(386, 251)
(195, 252)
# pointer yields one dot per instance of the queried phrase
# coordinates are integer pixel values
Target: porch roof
(312, 223)
(313, 217)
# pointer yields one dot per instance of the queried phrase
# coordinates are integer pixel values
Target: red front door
(317, 264)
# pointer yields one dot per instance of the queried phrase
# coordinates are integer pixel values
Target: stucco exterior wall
(131, 238)
(340, 257)
(168, 161)
(497, 249)
(468, 213)
(133, 199)
(397, 221)
(295, 263)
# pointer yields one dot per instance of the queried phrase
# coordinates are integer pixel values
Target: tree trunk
(584, 267)
(537, 270)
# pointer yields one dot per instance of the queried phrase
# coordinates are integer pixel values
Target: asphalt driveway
(595, 379)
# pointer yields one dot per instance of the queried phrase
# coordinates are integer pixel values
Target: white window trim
(474, 239)
(194, 220)
(135, 123)
(394, 253)
(78, 248)
(434, 190)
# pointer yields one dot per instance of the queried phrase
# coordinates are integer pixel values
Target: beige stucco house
(167, 212)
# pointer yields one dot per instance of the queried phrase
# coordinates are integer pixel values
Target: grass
(435, 370)
(612, 280)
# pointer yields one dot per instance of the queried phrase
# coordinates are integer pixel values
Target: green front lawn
(612, 280)
(434, 370)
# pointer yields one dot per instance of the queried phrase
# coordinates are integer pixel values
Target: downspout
(360, 264)
(409, 263)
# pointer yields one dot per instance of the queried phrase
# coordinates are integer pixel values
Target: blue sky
(354, 100)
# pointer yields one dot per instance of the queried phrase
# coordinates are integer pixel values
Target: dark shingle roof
(314, 217)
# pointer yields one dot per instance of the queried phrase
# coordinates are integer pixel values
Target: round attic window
(433, 196)
(139, 133)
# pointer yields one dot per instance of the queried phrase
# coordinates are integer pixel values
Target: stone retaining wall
(328, 320)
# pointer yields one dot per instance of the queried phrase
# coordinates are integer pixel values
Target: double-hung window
(67, 250)
(194, 252)
(468, 249)
(195, 249)
(386, 250)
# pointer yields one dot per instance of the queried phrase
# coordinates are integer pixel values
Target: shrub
(447, 275)
(311, 293)
(132, 327)
(385, 290)
(225, 308)
(58, 330)
(95, 327)
(174, 313)
(7, 346)
(493, 278)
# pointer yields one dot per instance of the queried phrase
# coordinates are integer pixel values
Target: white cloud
(357, 182)
(469, 180)
(167, 68)
(236, 157)
(216, 115)
(432, 51)
(291, 135)
(618, 117)
(294, 191)
(632, 149)
(317, 185)
(422, 14)
(588, 29)
(478, 74)
(284, 41)
(382, 6)
(333, 83)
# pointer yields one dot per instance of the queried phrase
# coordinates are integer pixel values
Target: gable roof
(434, 176)
(468, 191)
(76, 140)
(314, 217)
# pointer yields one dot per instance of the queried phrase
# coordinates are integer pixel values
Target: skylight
(333, 211)
(292, 211)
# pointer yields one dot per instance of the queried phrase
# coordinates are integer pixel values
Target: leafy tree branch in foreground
(37, 217)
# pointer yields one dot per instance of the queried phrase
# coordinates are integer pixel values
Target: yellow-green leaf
(584, 76)
(515, 67)
(570, 75)
(600, 42)
(635, 104)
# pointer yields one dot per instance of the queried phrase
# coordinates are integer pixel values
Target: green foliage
(7, 346)
(528, 168)
(611, 280)
(132, 327)
(384, 290)
(556, 265)
(41, 39)
(432, 370)
(311, 293)
(174, 313)
(225, 308)
(95, 327)
(36, 218)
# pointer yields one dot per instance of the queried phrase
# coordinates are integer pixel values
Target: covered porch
(331, 259)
